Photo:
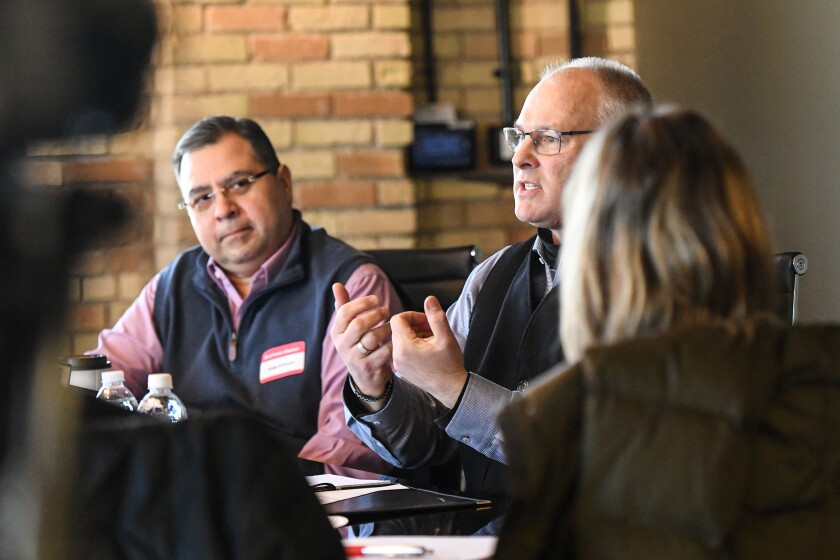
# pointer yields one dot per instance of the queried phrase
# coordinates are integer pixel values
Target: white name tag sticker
(282, 361)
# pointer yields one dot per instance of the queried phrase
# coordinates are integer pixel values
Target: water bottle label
(282, 361)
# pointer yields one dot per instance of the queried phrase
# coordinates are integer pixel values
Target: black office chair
(789, 267)
(422, 272)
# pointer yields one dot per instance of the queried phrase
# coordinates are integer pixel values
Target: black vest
(212, 370)
(509, 342)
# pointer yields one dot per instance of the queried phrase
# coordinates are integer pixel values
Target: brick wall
(334, 83)
(111, 274)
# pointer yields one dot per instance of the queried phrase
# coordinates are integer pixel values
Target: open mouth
(528, 186)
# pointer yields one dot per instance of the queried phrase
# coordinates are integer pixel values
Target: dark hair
(210, 130)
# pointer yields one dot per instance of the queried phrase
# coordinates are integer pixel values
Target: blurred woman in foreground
(692, 423)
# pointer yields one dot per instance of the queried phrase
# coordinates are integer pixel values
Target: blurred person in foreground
(242, 321)
(79, 478)
(71, 69)
(503, 329)
(691, 423)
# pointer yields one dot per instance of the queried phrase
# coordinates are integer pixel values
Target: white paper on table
(339, 480)
(440, 548)
(330, 496)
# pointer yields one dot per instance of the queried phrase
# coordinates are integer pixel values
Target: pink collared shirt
(132, 345)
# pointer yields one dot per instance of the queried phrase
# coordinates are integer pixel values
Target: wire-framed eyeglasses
(203, 200)
(546, 142)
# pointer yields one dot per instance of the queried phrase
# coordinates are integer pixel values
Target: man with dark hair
(458, 369)
(242, 321)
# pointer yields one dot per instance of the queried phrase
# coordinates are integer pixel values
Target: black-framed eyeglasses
(546, 142)
(237, 187)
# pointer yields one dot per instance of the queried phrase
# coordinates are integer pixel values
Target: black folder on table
(397, 503)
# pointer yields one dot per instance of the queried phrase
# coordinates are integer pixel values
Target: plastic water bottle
(161, 401)
(115, 392)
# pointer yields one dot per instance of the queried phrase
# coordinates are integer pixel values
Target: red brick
(325, 194)
(291, 47)
(290, 105)
(556, 44)
(371, 164)
(244, 18)
(373, 104)
(480, 46)
(524, 45)
(109, 170)
(132, 258)
(89, 263)
(88, 317)
(595, 40)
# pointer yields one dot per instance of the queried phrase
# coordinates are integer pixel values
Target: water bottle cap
(160, 381)
(111, 376)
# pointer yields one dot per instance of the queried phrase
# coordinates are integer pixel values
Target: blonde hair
(661, 229)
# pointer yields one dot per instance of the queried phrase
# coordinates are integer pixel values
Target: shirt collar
(544, 246)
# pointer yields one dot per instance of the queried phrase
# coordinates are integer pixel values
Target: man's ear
(284, 175)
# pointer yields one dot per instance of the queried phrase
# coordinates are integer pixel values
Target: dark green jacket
(721, 441)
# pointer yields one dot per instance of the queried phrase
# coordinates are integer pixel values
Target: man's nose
(223, 205)
(525, 154)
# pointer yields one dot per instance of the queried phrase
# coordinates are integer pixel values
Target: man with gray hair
(505, 321)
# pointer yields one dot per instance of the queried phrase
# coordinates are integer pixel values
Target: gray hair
(623, 88)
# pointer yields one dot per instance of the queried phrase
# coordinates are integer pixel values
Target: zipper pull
(232, 347)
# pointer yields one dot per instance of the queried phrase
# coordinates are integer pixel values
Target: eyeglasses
(202, 201)
(546, 142)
